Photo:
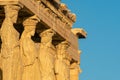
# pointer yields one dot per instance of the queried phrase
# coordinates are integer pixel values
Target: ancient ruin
(37, 41)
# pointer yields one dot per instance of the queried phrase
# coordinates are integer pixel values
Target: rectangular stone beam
(4, 2)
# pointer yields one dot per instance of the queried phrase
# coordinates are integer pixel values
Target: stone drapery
(29, 52)
(62, 70)
(47, 55)
(10, 44)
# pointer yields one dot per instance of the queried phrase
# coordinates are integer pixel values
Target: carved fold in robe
(47, 61)
(30, 62)
(74, 71)
(62, 70)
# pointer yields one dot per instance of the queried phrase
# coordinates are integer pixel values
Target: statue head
(11, 11)
(30, 25)
(46, 36)
(62, 47)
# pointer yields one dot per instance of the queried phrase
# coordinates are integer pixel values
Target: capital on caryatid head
(46, 36)
(62, 51)
(63, 46)
(31, 21)
(30, 26)
(11, 11)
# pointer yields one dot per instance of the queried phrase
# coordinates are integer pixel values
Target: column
(47, 55)
(62, 63)
(10, 44)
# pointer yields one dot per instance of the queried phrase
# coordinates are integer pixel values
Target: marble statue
(37, 41)
(10, 44)
(29, 52)
(62, 70)
(74, 71)
(47, 55)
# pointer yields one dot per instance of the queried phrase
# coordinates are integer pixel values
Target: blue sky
(100, 58)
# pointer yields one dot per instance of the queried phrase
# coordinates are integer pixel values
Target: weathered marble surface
(29, 52)
(62, 69)
(47, 47)
(47, 54)
(10, 44)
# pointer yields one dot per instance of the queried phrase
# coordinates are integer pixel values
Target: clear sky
(100, 58)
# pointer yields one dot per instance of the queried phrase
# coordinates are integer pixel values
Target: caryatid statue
(62, 70)
(47, 55)
(10, 44)
(75, 69)
(28, 50)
